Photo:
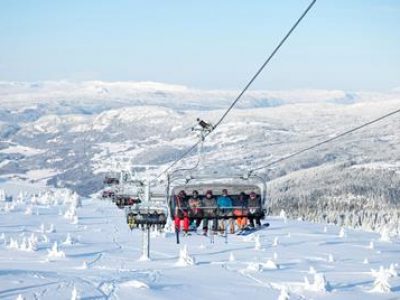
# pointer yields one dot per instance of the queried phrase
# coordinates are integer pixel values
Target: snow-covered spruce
(13, 244)
(257, 242)
(253, 267)
(68, 240)
(28, 211)
(320, 284)
(184, 258)
(70, 213)
(74, 294)
(231, 257)
(371, 245)
(51, 229)
(2, 195)
(55, 253)
(283, 215)
(284, 295)
(351, 210)
(270, 265)
(392, 271)
(381, 283)
(385, 234)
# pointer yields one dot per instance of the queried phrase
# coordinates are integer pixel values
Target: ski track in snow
(103, 262)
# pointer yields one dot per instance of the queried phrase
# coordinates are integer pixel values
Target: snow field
(99, 257)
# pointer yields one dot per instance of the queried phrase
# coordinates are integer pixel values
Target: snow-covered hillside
(68, 134)
(50, 248)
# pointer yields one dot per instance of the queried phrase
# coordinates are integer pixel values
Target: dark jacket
(210, 205)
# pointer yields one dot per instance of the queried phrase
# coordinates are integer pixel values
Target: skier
(195, 212)
(209, 211)
(224, 203)
(254, 210)
(181, 212)
(241, 211)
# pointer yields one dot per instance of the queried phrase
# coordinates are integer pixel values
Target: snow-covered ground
(98, 257)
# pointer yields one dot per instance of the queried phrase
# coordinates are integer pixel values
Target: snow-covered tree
(284, 295)
(257, 242)
(184, 258)
(381, 283)
(55, 252)
(74, 295)
(2, 195)
(320, 284)
(231, 257)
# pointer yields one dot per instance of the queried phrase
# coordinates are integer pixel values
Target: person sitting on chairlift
(254, 210)
(224, 203)
(241, 211)
(209, 205)
(195, 212)
(181, 212)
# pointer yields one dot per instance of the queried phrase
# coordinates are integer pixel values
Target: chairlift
(150, 208)
(216, 183)
(110, 181)
(123, 200)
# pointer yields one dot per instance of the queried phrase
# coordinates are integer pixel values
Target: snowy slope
(98, 258)
(69, 134)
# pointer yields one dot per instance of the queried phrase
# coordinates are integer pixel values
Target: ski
(250, 230)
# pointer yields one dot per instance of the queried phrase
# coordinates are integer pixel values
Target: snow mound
(253, 267)
(144, 258)
(136, 284)
(371, 245)
(270, 265)
(84, 266)
(320, 283)
(68, 240)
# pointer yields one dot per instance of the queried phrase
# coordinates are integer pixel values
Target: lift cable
(184, 154)
(324, 141)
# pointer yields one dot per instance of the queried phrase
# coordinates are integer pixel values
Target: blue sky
(342, 44)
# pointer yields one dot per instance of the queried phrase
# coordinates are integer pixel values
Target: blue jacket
(224, 201)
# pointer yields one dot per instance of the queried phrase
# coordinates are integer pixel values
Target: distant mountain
(74, 132)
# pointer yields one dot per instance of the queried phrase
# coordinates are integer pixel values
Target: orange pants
(241, 222)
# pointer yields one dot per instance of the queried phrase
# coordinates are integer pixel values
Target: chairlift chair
(216, 183)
